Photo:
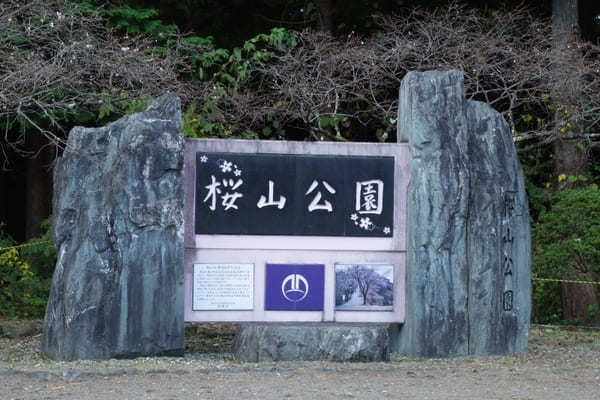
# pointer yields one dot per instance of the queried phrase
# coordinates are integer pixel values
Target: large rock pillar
(117, 290)
(468, 273)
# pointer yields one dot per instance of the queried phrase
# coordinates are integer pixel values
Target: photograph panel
(364, 287)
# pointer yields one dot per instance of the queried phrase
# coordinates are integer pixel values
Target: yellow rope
(565, 280)
(533, 279)
(26, 245)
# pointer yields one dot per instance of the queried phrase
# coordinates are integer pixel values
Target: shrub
(566, 244)
(25, 275)
(22, 293)
(40, 253)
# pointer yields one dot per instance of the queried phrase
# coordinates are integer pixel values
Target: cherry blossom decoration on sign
(225, 188)
(369, 204)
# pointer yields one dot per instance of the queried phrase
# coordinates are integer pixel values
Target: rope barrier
(533, 279)
(565, 281)
(25, 245)
(581, 328)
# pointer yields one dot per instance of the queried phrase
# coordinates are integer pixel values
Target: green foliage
(233, 67)
(40, 253)
(114, 105)
(208, 121)
(228, 71)
(229, 67)
(25, 276)
(331, 124)
(538, 197)
(591, 116)
(273, 129)
(546, 307)
(568, 236)
(538, 166)
(15, 274)
(207, 60)
(566, 243)
(135, 21)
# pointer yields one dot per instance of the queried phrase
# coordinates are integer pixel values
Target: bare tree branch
(57, 59)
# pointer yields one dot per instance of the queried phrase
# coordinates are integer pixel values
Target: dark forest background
(307, 70)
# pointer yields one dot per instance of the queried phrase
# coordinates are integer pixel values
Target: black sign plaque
(283, 194)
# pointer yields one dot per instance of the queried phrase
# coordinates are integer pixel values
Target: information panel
(223, 287)
(290, 194)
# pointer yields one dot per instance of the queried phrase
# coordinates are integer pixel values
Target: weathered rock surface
(117, 290)
(468, 282)
(341, 342)
(433, 111)
(499, 242)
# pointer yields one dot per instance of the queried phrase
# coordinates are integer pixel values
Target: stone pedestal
(257, 342)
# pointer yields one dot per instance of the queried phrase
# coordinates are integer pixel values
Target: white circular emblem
(294, 288)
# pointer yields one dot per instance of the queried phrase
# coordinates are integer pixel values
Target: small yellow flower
(562, 177)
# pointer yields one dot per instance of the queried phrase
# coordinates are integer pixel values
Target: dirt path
(355, 300)
(559, 365)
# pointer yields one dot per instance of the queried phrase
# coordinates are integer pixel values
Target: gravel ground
(560, 364)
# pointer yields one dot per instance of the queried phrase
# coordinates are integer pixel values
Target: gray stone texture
(117, 290)
(468, 225)
(332, 342)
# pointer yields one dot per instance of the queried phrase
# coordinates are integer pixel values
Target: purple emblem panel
(294, 287)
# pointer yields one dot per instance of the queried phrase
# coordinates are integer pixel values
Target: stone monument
(320, 250)
(117, 290)
(468, 277)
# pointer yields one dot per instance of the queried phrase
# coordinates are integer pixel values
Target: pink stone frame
(329, 251)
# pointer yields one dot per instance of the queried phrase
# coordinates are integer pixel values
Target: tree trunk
(326, 8)
(38, 188)
(580, 302)
(569, 151)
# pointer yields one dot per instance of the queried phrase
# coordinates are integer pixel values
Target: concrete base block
(312, 342)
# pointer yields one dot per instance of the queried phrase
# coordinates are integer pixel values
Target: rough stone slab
(432, 111)
(117, 290)
(498, 248)
(311, 342)
(464, 172)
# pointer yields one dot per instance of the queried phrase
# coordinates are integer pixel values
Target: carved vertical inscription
(508, 212)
